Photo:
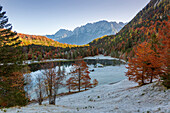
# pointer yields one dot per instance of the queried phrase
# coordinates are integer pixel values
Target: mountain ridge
(86, 33)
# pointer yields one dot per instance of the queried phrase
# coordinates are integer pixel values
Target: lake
(111, 72)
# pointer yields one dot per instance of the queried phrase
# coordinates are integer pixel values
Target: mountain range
(85, 34)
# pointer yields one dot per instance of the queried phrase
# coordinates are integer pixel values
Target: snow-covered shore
(122, 97)
(43, 61)
(92, 57)
(99, 57)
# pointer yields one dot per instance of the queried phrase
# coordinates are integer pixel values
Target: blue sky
(41, 17)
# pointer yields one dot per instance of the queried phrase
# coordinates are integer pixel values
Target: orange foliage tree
(70, 84)
(86, 80)
(145, 66)
(80, 76)
(163, 50)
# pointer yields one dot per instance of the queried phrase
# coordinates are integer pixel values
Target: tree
(53, 80)
(11, 58)
(49, 78)
(58, 82)
(163, 50)
(40, 89)
(145, 66)
(86, 80)
(80, 75)
(70, 84)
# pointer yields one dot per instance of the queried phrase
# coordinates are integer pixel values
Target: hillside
(122, 97)
(40, 47)
(87, 33)
(144, 26)
(41, 40)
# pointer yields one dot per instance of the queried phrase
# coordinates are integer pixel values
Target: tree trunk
(50, 91)
(39, 101)
(54, 99)
(46, 88)
(40, 98)
(79, 79)
(142, 80)
(50, 96)
(55, 93)
(85, 87)
(69, 89)
(143, 77)
(151, 77)
(40, 93)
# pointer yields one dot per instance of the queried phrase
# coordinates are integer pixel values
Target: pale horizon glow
(41, 17)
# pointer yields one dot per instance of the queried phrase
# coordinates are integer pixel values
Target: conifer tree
(70, 84)
(145, 66)
(80, 76)
(86, 80)
(11, 59)
(163, 50)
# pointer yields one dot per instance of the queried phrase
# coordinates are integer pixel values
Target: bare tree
(28, 84)
(58, 81)
(40, 89)
(53, 81)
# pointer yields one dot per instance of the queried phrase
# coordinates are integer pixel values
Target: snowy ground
(108, 74)
(122, 97)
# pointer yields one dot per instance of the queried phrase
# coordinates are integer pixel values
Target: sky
(41, 17)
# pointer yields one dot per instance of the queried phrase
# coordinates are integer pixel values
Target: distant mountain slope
(62, 33)
(142, 27)
(87, 33)
(41, 40)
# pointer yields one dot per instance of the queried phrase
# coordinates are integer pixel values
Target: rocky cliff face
(62, 33)
(87, 33)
